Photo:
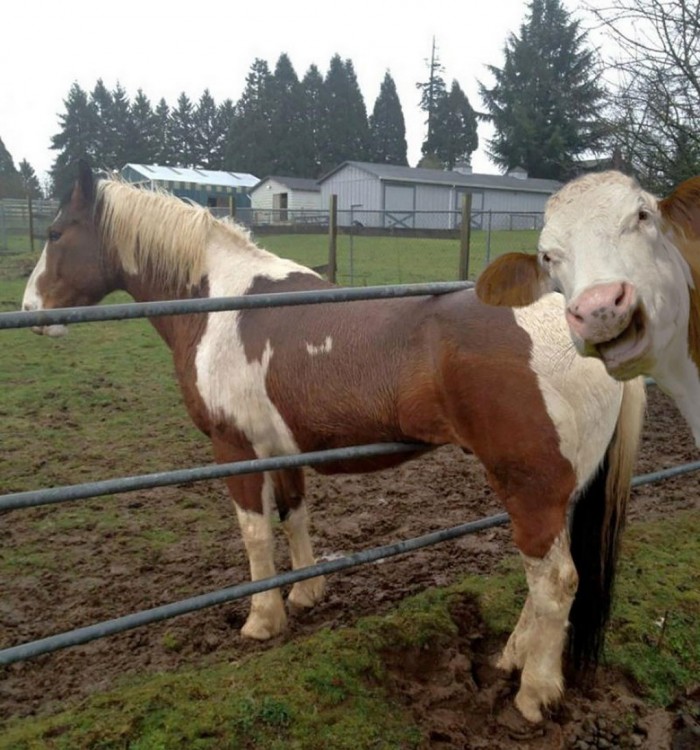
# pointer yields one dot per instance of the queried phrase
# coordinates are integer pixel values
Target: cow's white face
(626, 285)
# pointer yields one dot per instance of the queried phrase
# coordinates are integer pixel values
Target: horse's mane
(153, 232)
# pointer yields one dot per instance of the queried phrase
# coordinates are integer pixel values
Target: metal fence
(124, 484)
(24, 220)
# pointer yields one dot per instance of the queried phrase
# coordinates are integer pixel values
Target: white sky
(166, 47)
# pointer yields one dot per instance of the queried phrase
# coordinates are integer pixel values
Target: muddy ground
(457, 699)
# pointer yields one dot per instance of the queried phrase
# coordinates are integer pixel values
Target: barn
(204, 186)
(386, 195)
(281, 199)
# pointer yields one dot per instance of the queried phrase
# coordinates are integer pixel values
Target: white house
(281, 199)
(385, 195)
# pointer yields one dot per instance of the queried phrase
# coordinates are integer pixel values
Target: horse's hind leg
(539, 642)
(289, 496)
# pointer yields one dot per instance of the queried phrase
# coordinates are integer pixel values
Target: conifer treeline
(279, 125)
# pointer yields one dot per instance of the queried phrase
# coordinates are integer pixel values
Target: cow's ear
(681, 209)
(513, 280)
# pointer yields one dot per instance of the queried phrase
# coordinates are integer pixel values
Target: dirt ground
(457, 699)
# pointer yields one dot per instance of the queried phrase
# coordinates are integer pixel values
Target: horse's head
(70, 271)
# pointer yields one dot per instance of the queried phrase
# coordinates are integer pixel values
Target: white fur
(582, 400)
(324, 348)
(32, 299)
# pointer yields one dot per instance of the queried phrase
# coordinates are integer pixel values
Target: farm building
(385, 195)
(204, 186)
(282, 199)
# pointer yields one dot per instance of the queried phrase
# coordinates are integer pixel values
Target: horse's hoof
(263, 628)
(305, 594)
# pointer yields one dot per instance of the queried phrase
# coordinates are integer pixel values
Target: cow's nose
(602, 312)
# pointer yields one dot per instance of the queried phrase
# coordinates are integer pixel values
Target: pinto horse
(548, 426)
(629, 267)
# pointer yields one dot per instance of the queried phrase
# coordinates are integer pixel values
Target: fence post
(465, 237)
(232, 206)
(31, 222)
(332, 238)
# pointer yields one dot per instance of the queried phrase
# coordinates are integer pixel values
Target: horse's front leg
(254, 501)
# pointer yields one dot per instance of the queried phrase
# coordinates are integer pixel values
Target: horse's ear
(513, 280)
(681, 208)
(83, 193)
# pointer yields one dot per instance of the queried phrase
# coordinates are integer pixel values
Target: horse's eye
(54, 236)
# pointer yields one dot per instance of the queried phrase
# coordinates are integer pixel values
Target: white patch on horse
(584, 411)
(232, 387)
(324, 348)
(296, 527)
(32, 300)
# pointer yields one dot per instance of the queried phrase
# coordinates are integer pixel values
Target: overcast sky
(169, 47)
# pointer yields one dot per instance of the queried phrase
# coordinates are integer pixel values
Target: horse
(549, 427)
(629, 267)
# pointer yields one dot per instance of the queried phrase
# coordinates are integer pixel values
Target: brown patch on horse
(513, 280)
(681, 212)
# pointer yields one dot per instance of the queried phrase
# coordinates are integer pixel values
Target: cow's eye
(545, 259)
(643, 215)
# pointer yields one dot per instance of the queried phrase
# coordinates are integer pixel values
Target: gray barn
(384, 195)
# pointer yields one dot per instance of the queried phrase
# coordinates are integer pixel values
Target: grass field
(65, 403)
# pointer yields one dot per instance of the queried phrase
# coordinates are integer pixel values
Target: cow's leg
(253, 499)
(289, 496)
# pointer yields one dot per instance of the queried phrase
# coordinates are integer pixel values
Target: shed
(385, 195)
(285, 196)
(204, 186)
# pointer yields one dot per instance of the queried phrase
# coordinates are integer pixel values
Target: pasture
(373, 666)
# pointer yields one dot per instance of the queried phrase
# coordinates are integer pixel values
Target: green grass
(333, 689)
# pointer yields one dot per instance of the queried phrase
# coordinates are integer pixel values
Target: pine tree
(30, 182)
(454, 136)
(289, 127)
(546, 102)
(142, 135)
(207, 134)
(75, 140)
(164, 153)
(184, 146)
(387, 128)
(345, 134)
(250, 146)
(433, 92)
(10, 180)
(102, 126)
(315, 115)
(225, 115)
(121, 128)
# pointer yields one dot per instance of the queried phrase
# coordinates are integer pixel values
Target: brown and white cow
(628, 265)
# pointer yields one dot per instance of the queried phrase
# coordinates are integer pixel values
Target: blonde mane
(153, 232)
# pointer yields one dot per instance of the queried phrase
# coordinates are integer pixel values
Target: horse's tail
(597, 524)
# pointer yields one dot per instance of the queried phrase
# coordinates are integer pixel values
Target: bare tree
(656, 70)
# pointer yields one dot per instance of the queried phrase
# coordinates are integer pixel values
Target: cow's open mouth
(625, 355)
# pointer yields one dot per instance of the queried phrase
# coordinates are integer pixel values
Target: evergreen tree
(184, 142)
(290, 130)
(315, 117)
(546, 102)
(387, 128)
(206, 132)
(10, 180)
(250, 146)
(121, 128)
(454, 135)
(76, 138)
(433, 92)
(30, 182)
(102, 126)
(143, 131)
(225, 115)
(164, 153)
(345, 134)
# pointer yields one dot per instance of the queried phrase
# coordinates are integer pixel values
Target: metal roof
(293, 183)
(211, 177)
(394, 173)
